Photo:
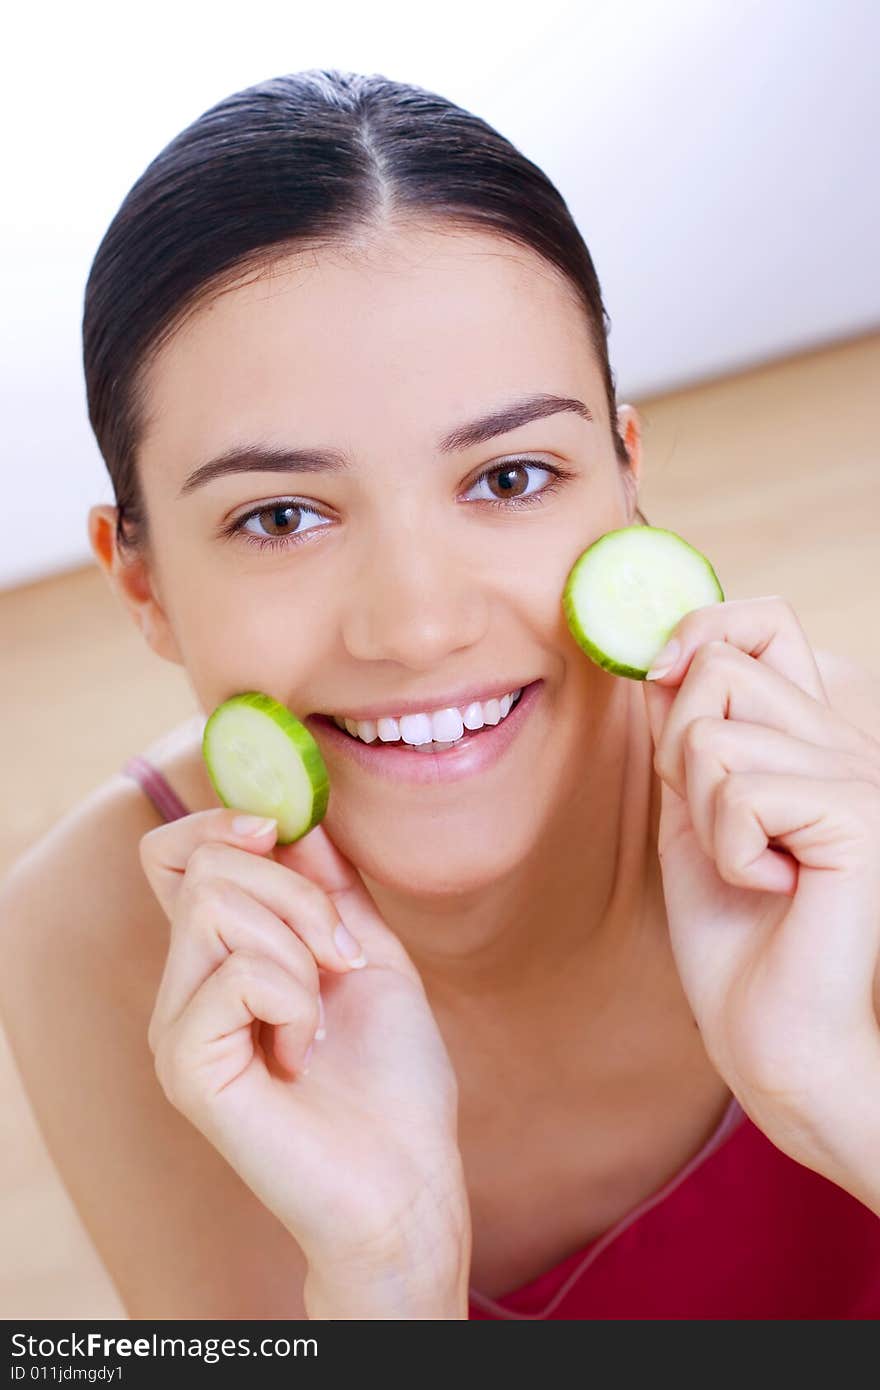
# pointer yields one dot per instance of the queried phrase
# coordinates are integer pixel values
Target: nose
(414, 600)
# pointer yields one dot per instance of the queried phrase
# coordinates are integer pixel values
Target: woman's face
(399, 577)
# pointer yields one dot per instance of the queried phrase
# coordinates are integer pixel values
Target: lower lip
(476, 752)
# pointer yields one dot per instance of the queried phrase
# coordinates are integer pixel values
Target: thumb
(166, 849)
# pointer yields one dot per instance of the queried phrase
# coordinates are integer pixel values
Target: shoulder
(76, 907)
(852, 690)
(83, 945)
(79, 894)
(93, 849)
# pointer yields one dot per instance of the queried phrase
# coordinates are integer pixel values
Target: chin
(441, 865)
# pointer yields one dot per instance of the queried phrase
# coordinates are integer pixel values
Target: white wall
(720, 160)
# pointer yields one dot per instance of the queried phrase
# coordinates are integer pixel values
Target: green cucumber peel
(626, 593)
(262, 760)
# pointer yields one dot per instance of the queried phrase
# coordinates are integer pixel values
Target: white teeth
(492, 711)
(415, 728)
(447, 725)
(431, 732)
(473, 716)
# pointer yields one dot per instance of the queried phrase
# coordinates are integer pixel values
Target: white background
(720, 159)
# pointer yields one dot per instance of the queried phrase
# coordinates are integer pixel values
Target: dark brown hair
(298, 162)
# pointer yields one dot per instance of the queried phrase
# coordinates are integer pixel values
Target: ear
(131, 579)
(629, 427)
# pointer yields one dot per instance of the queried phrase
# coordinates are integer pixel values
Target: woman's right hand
(358, 1155)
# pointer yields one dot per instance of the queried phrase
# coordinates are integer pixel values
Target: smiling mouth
(446, 763)
(433, 745)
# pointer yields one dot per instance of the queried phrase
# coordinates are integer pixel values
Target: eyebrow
(254, 458)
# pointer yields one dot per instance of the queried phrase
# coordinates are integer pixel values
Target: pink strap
(163, 796)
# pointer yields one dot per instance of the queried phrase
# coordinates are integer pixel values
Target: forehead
(325, 345)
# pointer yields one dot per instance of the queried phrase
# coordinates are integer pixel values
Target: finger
(212, 1042)
(220, 918)
(766, 628)
(713, 748)
(306, 909)
(724, 683)
(832, 830)
(165, 851)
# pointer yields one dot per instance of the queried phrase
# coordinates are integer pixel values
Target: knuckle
(243, 964)
(300, 966)
(208, 897)
(286, 950)
(318, 902)
(257, 967)
(783, 604)
(786, 611)
(171, 1074)
(313, 902)
(203, 863)
(707, 654)
(700, 734)
(733, 793)
(730, 871)
(146, 847)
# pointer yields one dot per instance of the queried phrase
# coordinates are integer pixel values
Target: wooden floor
(773, 474)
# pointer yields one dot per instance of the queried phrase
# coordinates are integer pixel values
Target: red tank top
(741, 1231)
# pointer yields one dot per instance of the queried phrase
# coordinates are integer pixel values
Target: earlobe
(629, 429)
(129, 577)
(102, 530)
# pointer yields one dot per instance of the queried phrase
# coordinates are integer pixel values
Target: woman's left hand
(769, 845)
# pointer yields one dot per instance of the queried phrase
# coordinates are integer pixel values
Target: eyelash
(559, 475)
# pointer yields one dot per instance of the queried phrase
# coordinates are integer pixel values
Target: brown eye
(282, 517)
(280, 524)
(518, 483)
(511, 480)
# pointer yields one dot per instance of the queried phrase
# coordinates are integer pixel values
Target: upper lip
(425, 704)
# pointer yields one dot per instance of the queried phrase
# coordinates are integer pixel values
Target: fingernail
(665, 660)
(252, 825)
(348, 948)
(321, 1031)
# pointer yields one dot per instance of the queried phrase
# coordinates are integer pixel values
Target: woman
(574, 1020)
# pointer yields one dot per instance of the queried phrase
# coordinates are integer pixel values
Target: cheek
(260, 636)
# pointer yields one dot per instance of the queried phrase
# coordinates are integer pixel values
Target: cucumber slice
(627, 591)
(262, 759)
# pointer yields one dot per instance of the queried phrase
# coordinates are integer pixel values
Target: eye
(283, 529)
(512, 482)
(285, 515)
